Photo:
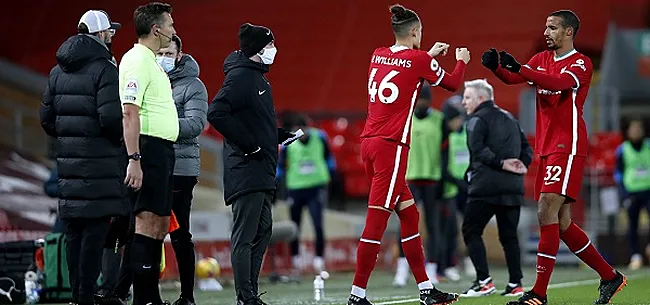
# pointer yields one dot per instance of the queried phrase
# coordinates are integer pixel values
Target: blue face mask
(167, 63)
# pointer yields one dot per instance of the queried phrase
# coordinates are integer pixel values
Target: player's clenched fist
(509, 62)
(462, 54)
(438, 48)
(490, 59)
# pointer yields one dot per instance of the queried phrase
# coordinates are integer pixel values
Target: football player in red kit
(396, 75)
(562, 77)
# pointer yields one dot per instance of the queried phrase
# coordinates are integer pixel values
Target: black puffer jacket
(81, 108)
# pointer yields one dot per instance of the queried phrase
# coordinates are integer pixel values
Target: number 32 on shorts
(553, 173)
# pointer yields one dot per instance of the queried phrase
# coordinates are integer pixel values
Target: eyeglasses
(111, 32)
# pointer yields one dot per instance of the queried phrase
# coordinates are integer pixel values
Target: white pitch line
(552, 286)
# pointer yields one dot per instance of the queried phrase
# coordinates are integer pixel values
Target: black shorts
(157, 163)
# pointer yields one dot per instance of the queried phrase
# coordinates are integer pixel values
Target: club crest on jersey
(580, 64)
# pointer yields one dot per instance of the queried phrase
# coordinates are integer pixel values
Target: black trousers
(251, 234)
(85, 243)
(181, 237)
(314, 199)
(477, 215)
(638, 202)
(449, 216)
(427, 196)
(118, 235)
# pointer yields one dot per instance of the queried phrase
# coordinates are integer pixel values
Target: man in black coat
(81, 108)
(499, 157)
(243, 113)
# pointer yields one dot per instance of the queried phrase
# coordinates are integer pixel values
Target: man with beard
(561, 76)
(81, 109)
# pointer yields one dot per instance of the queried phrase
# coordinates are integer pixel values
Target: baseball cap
(97, 21)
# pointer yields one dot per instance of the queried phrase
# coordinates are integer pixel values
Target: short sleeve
(581, 70)
(134, 79)
(430, 69)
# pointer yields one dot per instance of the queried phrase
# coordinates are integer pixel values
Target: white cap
(98, 21)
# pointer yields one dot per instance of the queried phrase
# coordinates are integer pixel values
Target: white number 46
(384, 84)
(553, 173)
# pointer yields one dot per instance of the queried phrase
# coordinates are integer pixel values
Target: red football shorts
(385, 164)
(560, 174)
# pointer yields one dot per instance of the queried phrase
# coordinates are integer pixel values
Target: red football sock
(376, 221)
(549, 243)
(412, 242)
(579, 243)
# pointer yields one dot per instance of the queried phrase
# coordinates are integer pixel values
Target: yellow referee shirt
(145, 84)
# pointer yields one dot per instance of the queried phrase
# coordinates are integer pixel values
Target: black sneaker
(183, 301)
(434, 296)
(109, 299)
(529, 298)
(608, 289)
(355, 300)
(513, 291)
(163, 303)
(480, 288)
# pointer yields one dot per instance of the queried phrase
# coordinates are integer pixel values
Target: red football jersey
(394, 81)
(560, 127)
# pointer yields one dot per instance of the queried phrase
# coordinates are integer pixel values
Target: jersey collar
(565, 56)
(396, 48)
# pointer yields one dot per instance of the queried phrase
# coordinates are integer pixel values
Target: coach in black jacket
(81, 108)
(499, 156)
(244, 114)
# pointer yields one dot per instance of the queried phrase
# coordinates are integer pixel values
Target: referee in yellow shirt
(150, 130)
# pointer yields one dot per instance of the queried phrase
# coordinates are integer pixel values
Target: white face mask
(269, 55)
(167, 63)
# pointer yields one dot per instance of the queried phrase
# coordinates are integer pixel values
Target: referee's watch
(135, 157)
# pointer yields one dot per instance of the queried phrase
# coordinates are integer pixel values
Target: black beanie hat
(253, 38)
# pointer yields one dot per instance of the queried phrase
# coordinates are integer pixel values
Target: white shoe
(432, 272)
(469, 267)
(318, 264)
(402, 273)
(452, 274)
(636, 262)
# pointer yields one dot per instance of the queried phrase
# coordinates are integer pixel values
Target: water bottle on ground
(319, 288)
(32, 289)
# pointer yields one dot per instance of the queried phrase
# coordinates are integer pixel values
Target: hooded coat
(191, 100)
(81, 109)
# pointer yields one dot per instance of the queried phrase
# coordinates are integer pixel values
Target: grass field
(569, 286)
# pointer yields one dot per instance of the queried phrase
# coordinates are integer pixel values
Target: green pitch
(568, 286)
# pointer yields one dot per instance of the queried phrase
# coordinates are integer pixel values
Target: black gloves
(508, 62)
(284, 135)
(490, 59)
